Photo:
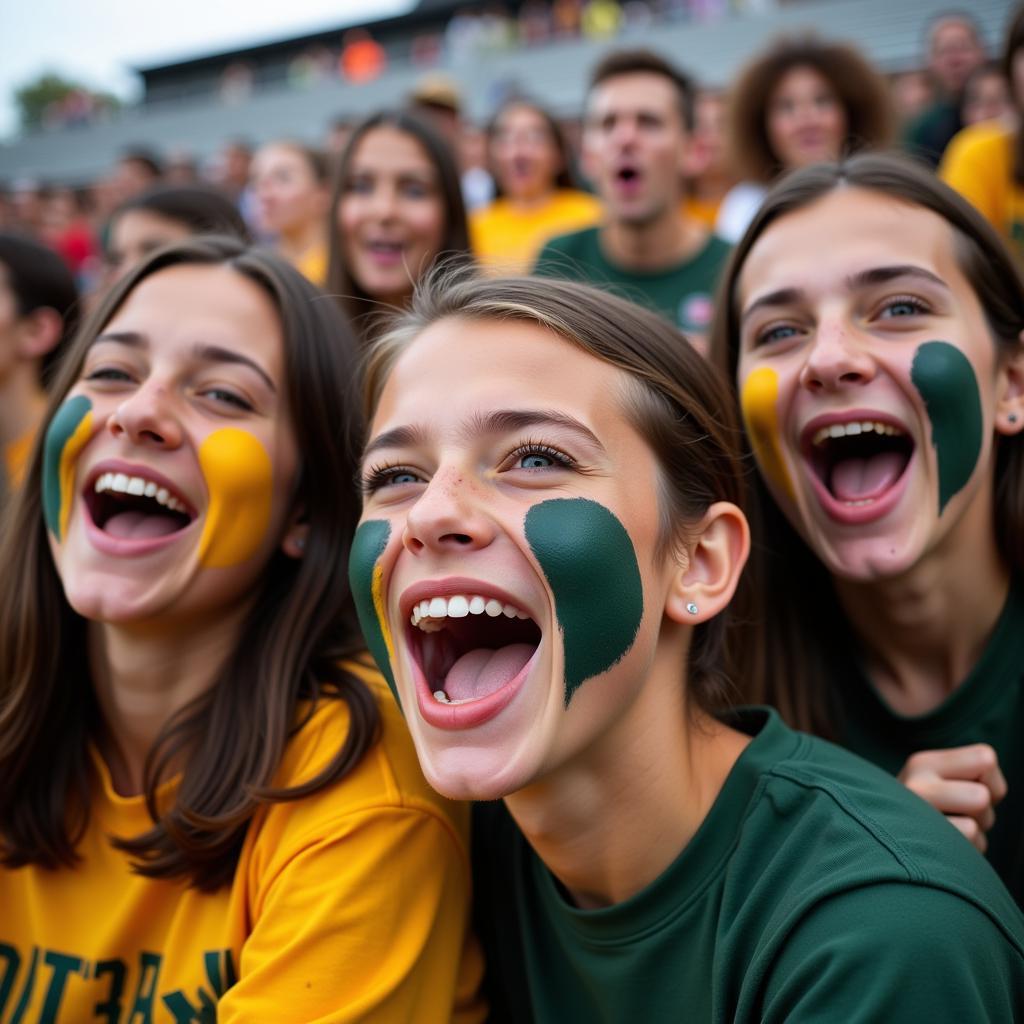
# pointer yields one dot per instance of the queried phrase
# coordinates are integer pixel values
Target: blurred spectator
(27, 206)
(233, 167)
(709, 175)
(565, 18)
(801, 101)
(426, 49)
(338, 133)
(362, 57)
(436, 100)
(396, 207)
(912, 93)
(68, 231)
(534, 22)
(955, 49)
(314, 64)
(601, 19)
(462, 36)
(985, 162)
(536, 191)
(639, 116)
(986, 95)
(164, 215)
(138, 168)
(291, 188)
(181, 169)
(38, 308)
(236, 82)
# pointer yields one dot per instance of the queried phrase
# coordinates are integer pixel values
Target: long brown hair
(1014, 42)
(677, 403)
(361, 308)
(790, 602)
(300, 625)
(860, 89)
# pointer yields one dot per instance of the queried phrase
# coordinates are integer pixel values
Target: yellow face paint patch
(68, 458)
(758, 402)
(377, 592)
(240, 482)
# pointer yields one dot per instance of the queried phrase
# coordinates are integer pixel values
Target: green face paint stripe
(945, 379)
(62, 429)
(590, 565)
(365, 578)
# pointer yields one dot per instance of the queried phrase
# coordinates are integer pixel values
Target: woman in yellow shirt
(209, 805)
(531, 165)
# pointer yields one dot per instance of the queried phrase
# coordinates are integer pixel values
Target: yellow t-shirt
(978, 163)
(348, 905)
(313, 265)
(508, 241)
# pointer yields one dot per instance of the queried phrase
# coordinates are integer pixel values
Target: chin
(471, 773)
(871, 562)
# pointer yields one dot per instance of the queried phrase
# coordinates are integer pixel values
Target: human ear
(1009, 417)
(293, 544)
(39, 332)
(716, 554)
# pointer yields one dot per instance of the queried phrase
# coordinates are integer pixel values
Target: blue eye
(535, 461)
(380, 477)
(903, 307)
(108, 373)
(781, 333)
(533, 456)
(228, 398)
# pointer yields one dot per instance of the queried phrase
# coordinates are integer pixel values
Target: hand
(964, 783)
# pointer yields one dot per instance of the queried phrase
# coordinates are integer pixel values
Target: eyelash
(905, 300)
(383, 475)
(216, 394)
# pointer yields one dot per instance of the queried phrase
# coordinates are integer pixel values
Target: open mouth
(858, 462)
(627, 175)
(469, 647)
(135, 507)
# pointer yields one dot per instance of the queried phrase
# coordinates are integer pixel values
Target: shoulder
(569, 255)
(989, 139)
(575, 201)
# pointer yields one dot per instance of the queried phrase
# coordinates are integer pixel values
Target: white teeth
(429, 615)
(137, 486)
(852, 429)
(441, 697)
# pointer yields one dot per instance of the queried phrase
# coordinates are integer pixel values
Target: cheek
(427, 222)
(759, 405)
(240, 483)
(366, 581)
(588, 559)
(946, 381)
(67, 434)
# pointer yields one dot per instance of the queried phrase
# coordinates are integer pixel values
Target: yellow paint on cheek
(758, 401)
(377, 591)
(240, 482)
(75, 443)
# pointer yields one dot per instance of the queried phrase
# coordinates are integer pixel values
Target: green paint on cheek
(591, 567)
(945, 380)
(366, 577)
(68, 431)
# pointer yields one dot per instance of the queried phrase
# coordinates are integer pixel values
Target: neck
(22, 403)
(653, 245)
(529, 203)
(143, 677)
(612, 820)
(925, 629)
(299, 241)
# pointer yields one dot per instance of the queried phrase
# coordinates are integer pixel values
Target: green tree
(37, 97)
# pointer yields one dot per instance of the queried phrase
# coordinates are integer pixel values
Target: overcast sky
(98, 41)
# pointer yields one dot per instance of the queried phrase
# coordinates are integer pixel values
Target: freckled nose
(448, 516)
(836, 359)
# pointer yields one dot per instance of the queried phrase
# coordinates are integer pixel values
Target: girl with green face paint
(543, 568)
(891, 608)
(196, 758)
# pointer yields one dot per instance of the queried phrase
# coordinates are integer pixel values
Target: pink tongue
(483, 671)
(859, 479)
(140, 525)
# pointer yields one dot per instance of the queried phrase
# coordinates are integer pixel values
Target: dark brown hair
(861, 91)
(201, 209)
(676, 401)
(1014, 41)
(793, 614)
(635, 62)
(299, 627)
(361, 309)
(565, 177)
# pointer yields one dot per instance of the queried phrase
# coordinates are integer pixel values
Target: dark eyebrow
(502, 421)
(782, 297)
(205, 353)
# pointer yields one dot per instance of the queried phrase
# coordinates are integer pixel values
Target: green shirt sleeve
(552, 261)
(895, 953)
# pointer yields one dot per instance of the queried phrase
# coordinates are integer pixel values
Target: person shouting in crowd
(38, 310)
(801, 101)
(396, 207)
(881, 379)
(543, 570)
(639, 113)
(209, 804)
(985, 162)
(289, 181)
(537, 198)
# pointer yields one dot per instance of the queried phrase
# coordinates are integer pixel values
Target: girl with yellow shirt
(208, 803)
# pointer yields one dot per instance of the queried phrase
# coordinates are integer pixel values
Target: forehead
(631, 92)
(390, 147)
(495, 365)
(952, 32)
(846, 231)
(801, 76)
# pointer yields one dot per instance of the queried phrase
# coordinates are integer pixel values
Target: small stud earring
(1012, 417)
(692, 608)
(300, 543)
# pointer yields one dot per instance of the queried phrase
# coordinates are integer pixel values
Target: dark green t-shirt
(682, 294)
(817, 889)
(987, 707)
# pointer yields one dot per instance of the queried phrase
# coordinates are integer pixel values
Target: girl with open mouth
(874, 330)
(208, 803)
(550, 541)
